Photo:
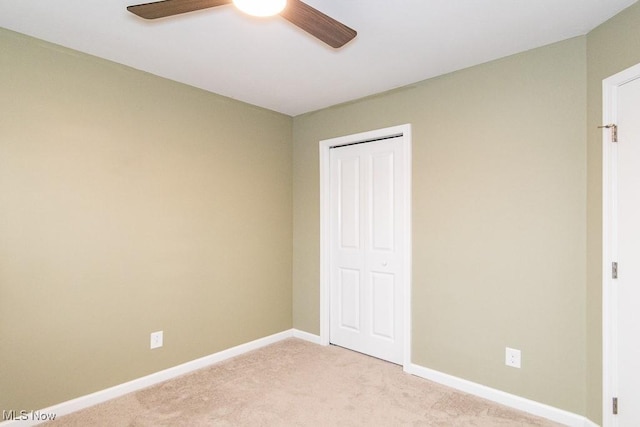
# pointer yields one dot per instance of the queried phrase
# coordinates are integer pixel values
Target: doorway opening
(621, 248)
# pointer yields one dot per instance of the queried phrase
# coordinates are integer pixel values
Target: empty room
(343, 213)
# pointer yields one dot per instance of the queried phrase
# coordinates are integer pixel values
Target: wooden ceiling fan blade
(316, 23)
(161, 9)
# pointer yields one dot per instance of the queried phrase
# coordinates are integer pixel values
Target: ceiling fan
(311, 20)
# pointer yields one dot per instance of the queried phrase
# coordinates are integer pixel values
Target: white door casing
(366, 242)
(621, 245)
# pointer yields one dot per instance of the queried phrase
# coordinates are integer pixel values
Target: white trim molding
(83, 402)
(488, 393)
(325, 196)
(307, 336)
(513, 401)
(610, 373)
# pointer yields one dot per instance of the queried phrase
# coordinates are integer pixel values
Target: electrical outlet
(512, 357)
(156, 339)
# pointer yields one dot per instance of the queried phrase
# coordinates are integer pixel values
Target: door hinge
(614, 131)
(614, 270)
(615, 406)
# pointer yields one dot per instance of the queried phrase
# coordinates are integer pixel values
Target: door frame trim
(610, 374)
(325, 227)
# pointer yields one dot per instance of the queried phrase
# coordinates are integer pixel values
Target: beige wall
(611, 48)
(131, 204)
(499, 218)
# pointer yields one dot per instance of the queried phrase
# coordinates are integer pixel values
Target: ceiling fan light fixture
(261, 7)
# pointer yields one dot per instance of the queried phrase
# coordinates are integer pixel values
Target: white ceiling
(273, 64)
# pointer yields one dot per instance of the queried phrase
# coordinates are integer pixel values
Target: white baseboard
(532, 407)
(513, 401)
(65, 408)
(306, 336)
(589, 423)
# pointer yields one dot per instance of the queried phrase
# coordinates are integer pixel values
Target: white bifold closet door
(366, 248)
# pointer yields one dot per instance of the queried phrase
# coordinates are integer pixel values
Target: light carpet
(297, 383)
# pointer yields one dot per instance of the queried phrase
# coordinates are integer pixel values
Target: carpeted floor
(296, 383)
